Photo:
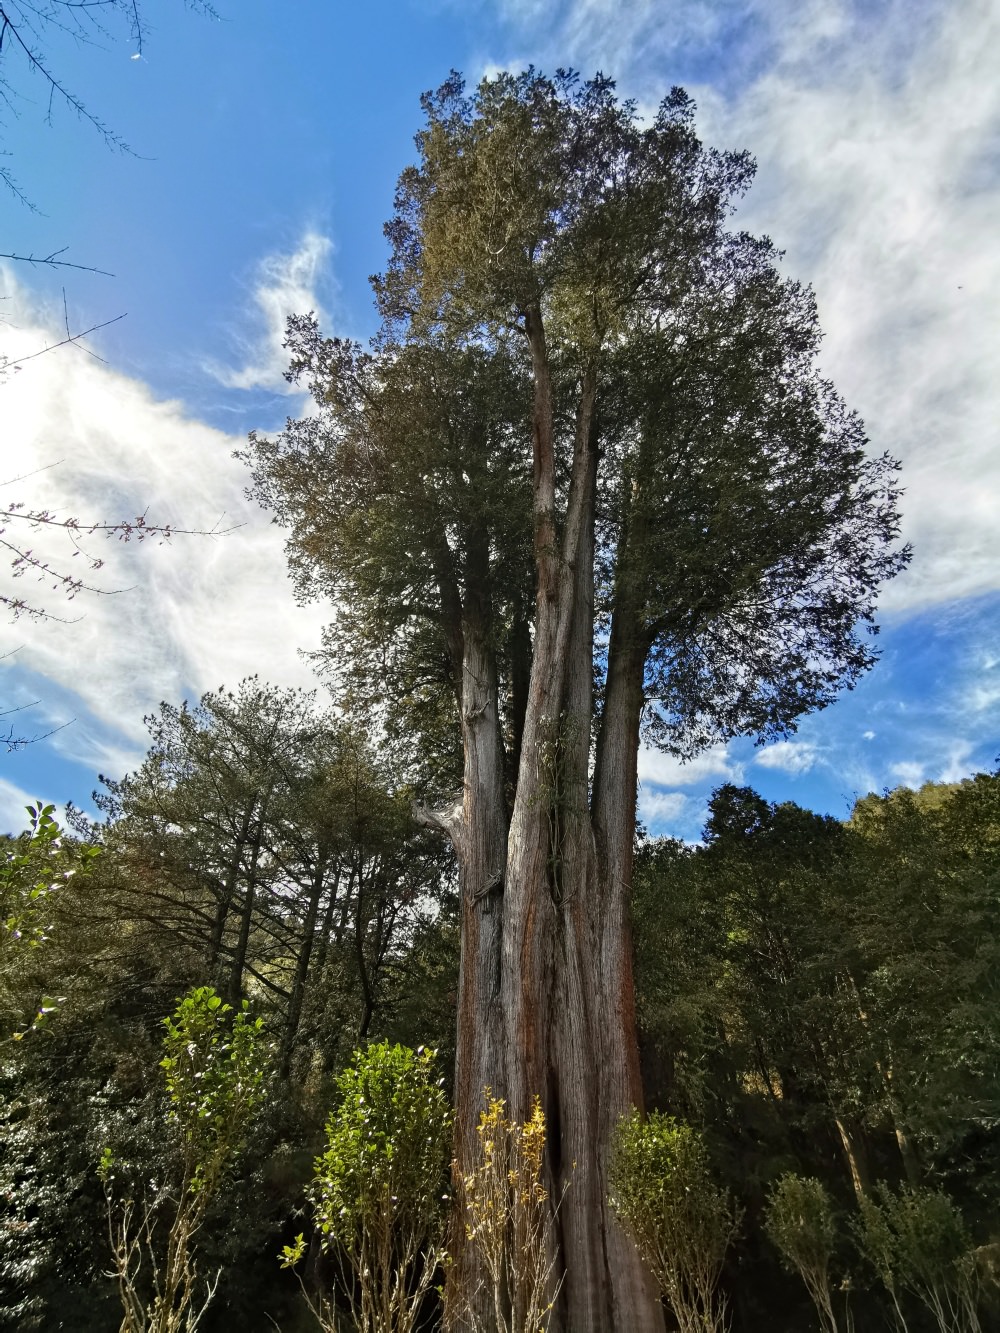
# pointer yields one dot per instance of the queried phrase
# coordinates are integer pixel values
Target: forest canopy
(785, 1018)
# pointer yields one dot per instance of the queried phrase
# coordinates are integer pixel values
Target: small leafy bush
(380, 1188)
(214, 1063)
(509, 1223)
(918, 1244)
(800, 1222)
(682, 1223)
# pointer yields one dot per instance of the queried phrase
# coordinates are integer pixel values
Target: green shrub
(213, 1065)
(380, 1189)
(917, 1243)
(800, 1222)
(663, 1191)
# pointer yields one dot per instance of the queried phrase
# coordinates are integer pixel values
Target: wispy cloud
(875, 129)
(13, 803)
(284, 284)
(789, 756)
(874, 157)
(957, 766)
(197, 611)
(908, 772)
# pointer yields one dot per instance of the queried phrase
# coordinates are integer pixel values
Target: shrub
(508, 1222)
(213, 1066)
(681, 1222)
(800, 1222)
(379, 1193)
(917, 1242)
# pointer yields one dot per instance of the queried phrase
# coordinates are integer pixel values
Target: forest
(386, 1014)
(817, 1003)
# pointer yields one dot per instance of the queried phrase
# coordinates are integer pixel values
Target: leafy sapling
(214, 1063)
(379, 1194)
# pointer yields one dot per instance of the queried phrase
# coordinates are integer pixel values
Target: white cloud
(868, 735)
(909, 773)
(199, 611)
(14, 802)
(285, 284)
(96, 748)
(875, 129)
(958, 765)
(981, 693)
(13, 814)
(789, 756)
(638, 39)
(667, 771)
(877, 180)
(660, 808)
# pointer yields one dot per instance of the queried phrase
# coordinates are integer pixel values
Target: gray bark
(546, 1002)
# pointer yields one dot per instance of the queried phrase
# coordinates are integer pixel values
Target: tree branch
(54, 262)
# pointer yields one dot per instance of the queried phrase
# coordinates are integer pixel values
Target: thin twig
(73, 338)
(55, 262)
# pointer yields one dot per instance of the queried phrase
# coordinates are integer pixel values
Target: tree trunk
(228, 890)
(365, 980)
(235, 986)
(295, 999)
(852, 1140)
(566, 1011)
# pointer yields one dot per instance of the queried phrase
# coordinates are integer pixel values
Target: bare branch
(53, 261)
(25, 560)
(57, 90)
(70, 339)
(14, 742)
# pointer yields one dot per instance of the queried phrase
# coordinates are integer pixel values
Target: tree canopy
(742, 529)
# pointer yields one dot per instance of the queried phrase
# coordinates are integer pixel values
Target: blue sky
(266, 148)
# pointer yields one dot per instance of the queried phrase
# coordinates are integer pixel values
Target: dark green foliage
(137, 930)
(741, 528)
(779, 966)
(52, 1240)
(917, 1243)
(263, 837)
(932, 922)
(824, 998)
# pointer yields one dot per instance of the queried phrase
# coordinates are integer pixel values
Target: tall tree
(586, 478)
(261, 837)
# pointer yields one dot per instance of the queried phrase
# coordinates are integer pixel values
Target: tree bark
(852, 1140)
(551, 1013)
(297, 994)
(235, 986)
(228, 889)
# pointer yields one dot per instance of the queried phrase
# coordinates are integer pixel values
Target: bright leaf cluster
(387, 1143)
(214, 1077)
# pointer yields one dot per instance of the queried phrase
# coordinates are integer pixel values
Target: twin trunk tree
(588, 485)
